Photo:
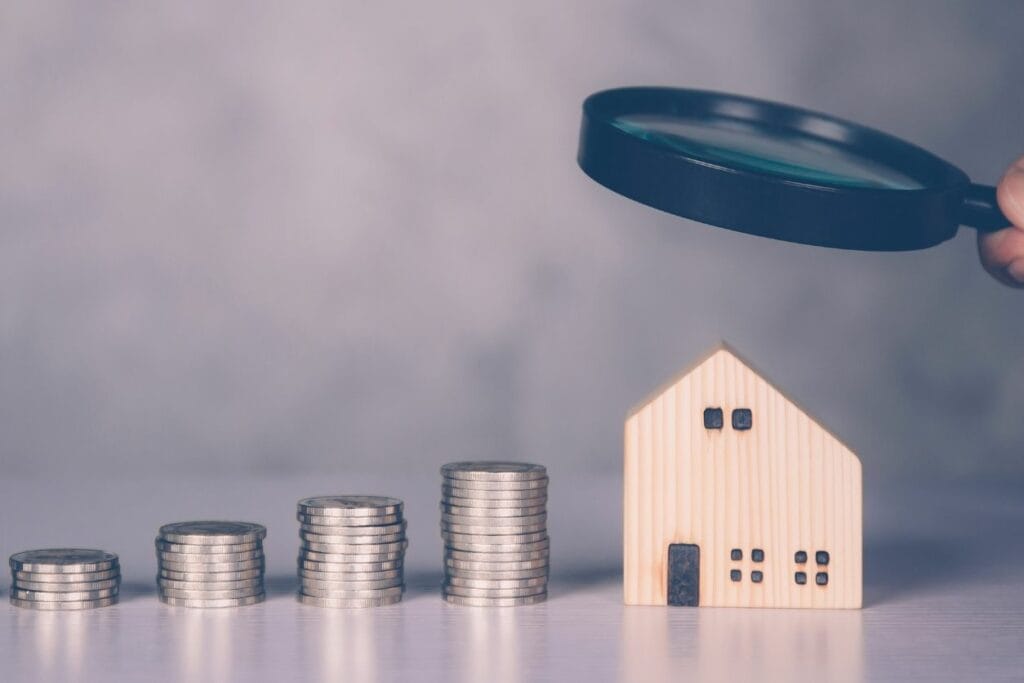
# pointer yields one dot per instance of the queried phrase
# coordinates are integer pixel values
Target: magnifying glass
(777, 171)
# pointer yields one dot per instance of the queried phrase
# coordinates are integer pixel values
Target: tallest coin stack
(494, 526)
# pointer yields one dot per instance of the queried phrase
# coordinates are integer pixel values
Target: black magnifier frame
(686, 181)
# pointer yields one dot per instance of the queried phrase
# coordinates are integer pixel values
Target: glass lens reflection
(783, 152)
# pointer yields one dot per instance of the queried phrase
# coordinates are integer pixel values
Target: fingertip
(1002, 255)
(1010, 195)
(1016, 272)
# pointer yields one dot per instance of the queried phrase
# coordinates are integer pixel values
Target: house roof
(725, 346)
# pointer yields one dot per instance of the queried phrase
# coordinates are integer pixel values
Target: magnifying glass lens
(777, 171)
(784, 152)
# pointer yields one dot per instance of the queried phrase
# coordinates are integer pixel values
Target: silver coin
(67, 577)
(493, 592)
(253, 585)
(350, 576)
(325, 589)
(493, 470)
(204, 603)
(64, 605)
(505, 485)
(63, 596)
(342, 530)
(350, 506)
(66, 586)
(345, 522)
(215, 577)
(375, 593)
(354, 548)
(349, 602)
(342, 567)
(495, 602)
(211, 567)
(63, 560)
(471, 498)
(308, 538)
(189, 594)
(223, 558)
(487, 565)
(492, 512)
(513, 575)
(495, 522)
(350, 558)
(495, 534)
(461, 541)
(207, 532)
(454, 489)
(512, 553)
(500, 584)
(508, 549)
(225, 549)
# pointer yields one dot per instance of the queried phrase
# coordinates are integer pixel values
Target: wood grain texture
(786, 485)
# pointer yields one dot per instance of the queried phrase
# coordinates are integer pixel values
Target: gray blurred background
(352, 237)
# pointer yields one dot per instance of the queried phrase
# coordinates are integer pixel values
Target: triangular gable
(725, 347)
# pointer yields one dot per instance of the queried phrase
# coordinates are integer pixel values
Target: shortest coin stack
(494, 526)
(352, 551)
(64, 578)
(210, 564)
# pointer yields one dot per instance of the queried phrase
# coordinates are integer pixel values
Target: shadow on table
(968, 539)
(423, 581)
(132, 590)
(899, 567)
(579, 579)
(280, 584)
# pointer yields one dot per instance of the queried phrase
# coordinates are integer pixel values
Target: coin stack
(210, 564)
(351, 551)
(494, 526)
(64, 578)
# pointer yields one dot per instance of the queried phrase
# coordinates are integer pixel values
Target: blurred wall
(347, 235)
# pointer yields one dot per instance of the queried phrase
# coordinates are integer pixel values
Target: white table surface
(944, 593)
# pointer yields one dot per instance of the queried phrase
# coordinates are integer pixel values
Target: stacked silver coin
(64, 578)
(494, 526)
(352, 551)
(210, 564)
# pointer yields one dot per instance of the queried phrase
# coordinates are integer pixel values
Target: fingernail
(1016, 270)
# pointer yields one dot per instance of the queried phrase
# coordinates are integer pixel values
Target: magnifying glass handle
(980, 210)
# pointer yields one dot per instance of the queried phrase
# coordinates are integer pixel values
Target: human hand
(1002, 252)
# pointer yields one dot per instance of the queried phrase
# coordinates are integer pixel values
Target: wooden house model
(736, 497)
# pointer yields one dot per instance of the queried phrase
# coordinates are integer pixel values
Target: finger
(1002, 252)
(1010, 194)
(1002, 255)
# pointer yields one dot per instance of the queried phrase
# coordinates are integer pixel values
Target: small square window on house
(735, 575)
(821, 578)
(736, 554)
(800, 557)
(742, 419)
(757, 555)
(800, 578)
(821, 557)
(756, 576)
(713, 418)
